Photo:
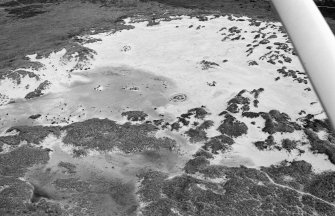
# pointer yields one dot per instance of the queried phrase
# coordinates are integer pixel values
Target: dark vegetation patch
(232, 127)
(16, 162)
(16, 76)
(79, 153)
(317, 125)
(36, 116)
(199, 134)
(267, 144)
(309, 122)
(234, 32)
(159, 207)
(153, 22)
(26, 11)
(10, 140)
(68, 167)
(295, 174)
(14, 199)
(38, 91)
(238, 101)
(296, 75)
(254, 8)
(205, 65)
(104, 135)
(252, 63)
(264, 41)
(276, 121)
(13, 194)
(203, 153)
(175, 126)
(218, 144)
(202, 18)
(196, 135)
(206, 125)
(323, 186)
(289, 145)
(243, 191)
(212, 84)
(250, 114)
(99, 134)
(199, 112)
(278, 53)
(158, 122)
(84, 54)
(235, 29)
(71, 185)
(152, 156)
(184, 120)
(233, 108)
(257, 92)
(135, 115)
(223, 113)
(88, 40)
(150, 189)
(196, 164)
(122, 193)
(242, 103)
(31, 134)
(299, 175)
(321, 146)
(15, 3)
(214, 171)
(92, 196)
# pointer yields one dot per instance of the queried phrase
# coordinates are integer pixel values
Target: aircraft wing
(315, 44)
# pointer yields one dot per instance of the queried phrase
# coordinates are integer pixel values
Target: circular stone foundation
(180, 97)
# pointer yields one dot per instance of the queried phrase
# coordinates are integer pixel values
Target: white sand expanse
(141, 68)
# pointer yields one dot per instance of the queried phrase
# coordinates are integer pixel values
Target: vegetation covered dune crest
(166, 107)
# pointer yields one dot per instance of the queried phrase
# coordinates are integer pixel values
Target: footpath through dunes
(180, 115)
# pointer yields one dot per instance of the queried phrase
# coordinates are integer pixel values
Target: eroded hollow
(38, 194)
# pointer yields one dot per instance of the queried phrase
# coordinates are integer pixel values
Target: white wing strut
(315, 44)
